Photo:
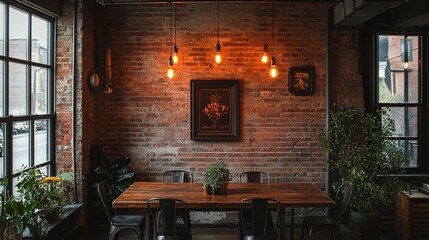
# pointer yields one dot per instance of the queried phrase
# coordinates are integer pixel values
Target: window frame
(5, 118)
(422, 103)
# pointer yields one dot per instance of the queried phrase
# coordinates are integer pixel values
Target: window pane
(39, 40)
(21, 146)
(17, 89)
(2, 142)
(39, 90)
(410, 149)
(41, 146)
(2, 29)
(2, 98)
(395, 84)
(405, 119)
(18, 34)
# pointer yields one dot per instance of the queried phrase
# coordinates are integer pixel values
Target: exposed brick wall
(85, 100)
(148, 116)
(346, 84)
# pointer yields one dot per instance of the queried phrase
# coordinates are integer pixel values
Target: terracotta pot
(221, 190)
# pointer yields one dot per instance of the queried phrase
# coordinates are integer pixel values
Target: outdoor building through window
(399, 91)
(26, 91)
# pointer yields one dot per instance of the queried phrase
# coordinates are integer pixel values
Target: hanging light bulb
(175, 49)
(218, 57)
(170, 69)
(273, 70)
(406, 52)
(175, 56)
(264, 58)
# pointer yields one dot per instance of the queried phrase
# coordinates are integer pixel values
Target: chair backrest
(177, 176)
(105, 193)
(258, 215)
(167, 223)
(255, 177)
(342, 200)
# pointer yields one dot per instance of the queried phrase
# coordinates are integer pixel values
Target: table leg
(149, 226)
(282, 224)
(292, 222)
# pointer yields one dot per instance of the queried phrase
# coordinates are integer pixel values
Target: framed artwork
(301, 80)
(215, 109)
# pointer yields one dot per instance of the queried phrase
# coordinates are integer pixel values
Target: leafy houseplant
(10, 214)
(43, 200)
(362, 155)
(216, 177)
(118, 175)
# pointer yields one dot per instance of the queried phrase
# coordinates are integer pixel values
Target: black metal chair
(177, 176)
(259, 225)
(312, 224)
(118, 222)
(163, 213)
(255, 177)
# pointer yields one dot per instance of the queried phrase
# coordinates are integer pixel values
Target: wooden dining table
(290, 195)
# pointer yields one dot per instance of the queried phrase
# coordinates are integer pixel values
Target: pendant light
(175, 50)
(273, 70)
(264, 58)
(405, 52)
(170, 69)
(218, 57)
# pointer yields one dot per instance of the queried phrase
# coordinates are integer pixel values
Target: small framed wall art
(301, 80)
(215, 109)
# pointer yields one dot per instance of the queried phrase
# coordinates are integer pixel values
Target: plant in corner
(361, 154)
(216, 177)
(118, 175)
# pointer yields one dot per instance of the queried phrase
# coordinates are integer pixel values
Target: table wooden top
(288, 194)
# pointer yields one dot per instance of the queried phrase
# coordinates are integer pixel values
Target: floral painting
(214, 109)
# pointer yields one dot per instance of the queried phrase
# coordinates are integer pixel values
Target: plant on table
(216, 174)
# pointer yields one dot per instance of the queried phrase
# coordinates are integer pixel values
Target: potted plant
(361, 154)
(10, 214)
(216, 177)
(43, 200)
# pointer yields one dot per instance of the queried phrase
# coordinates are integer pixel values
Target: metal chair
(177, 176)
(333, 220)
(119, 222)
(259, 225)
(255, 177)
(163, 213)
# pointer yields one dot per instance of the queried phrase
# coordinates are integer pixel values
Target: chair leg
(303, 228)
(338, 234)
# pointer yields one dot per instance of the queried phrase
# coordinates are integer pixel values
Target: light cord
(272, 16)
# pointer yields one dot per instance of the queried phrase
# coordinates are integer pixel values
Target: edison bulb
(175, 58)
(218, 58)
(405, 65)
(273, 71)
(170, 73)
(264, 58)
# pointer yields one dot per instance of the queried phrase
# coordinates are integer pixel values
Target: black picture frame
(301, 80)
(215, 109)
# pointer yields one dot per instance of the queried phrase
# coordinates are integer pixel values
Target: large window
(26, 91)
(399, 91)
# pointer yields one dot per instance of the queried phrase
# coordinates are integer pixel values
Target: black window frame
(423, 110)
(7, 120)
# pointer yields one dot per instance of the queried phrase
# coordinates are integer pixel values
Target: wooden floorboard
(230, 233)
